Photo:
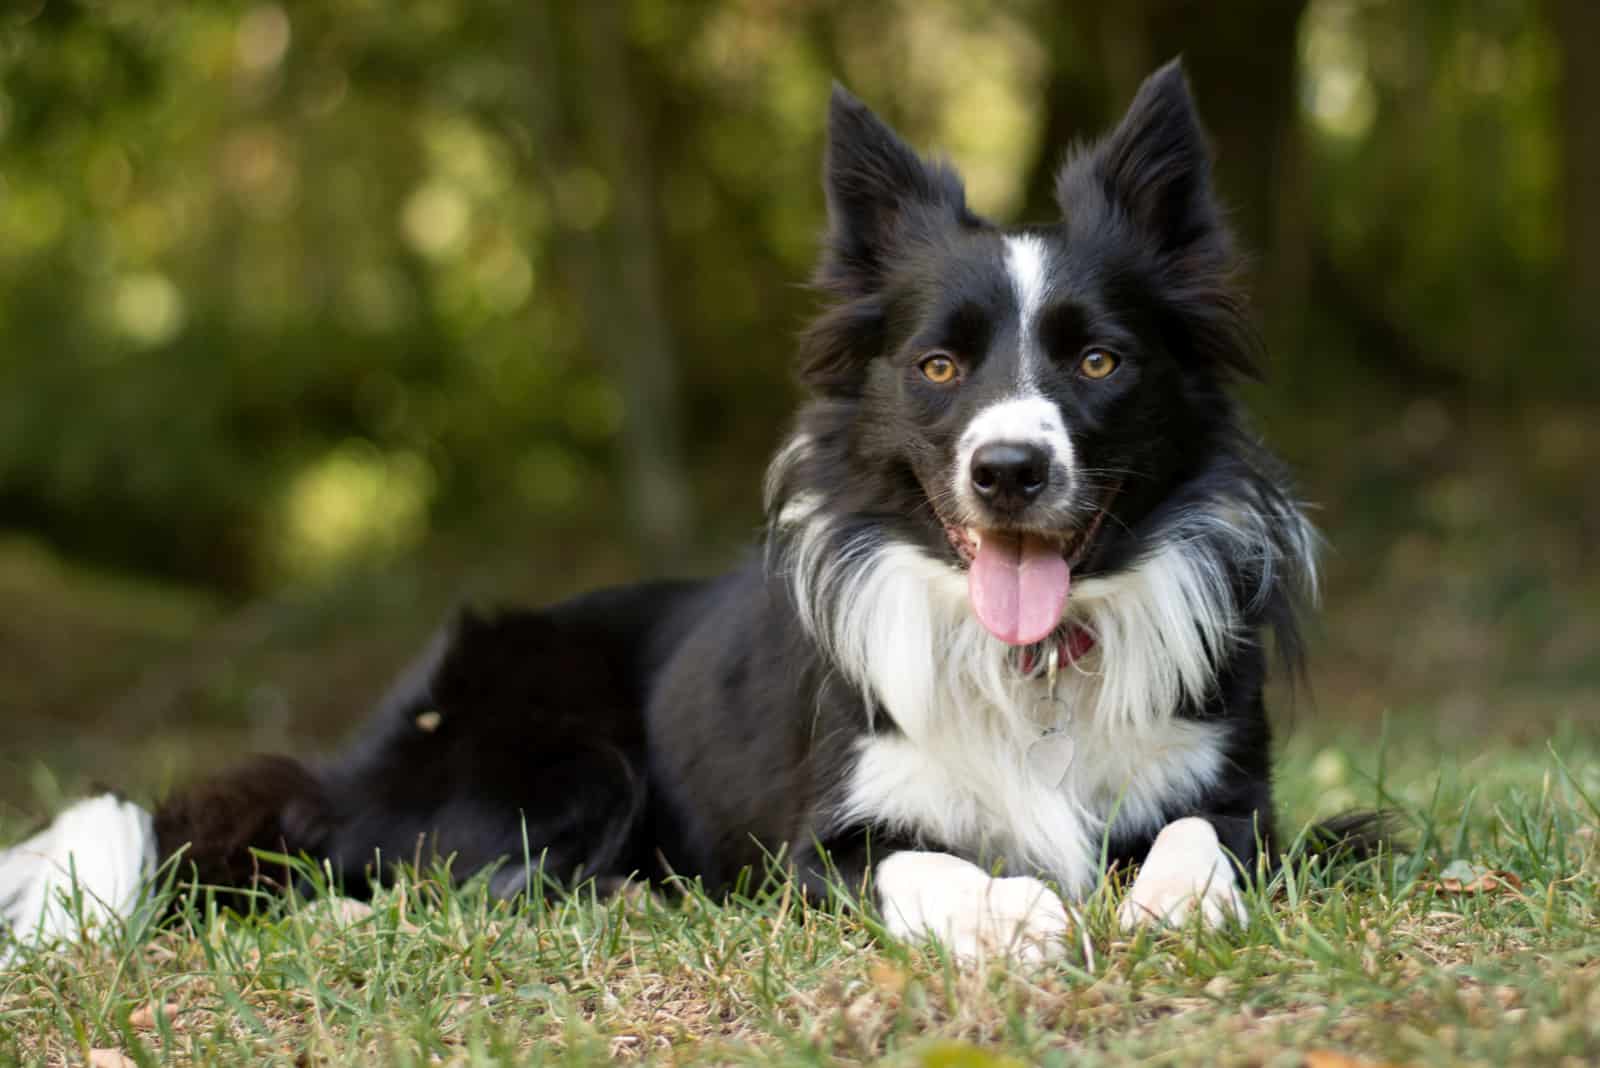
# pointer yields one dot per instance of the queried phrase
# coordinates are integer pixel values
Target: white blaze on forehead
(1026, 263)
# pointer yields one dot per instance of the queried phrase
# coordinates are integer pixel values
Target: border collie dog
(1009, 624)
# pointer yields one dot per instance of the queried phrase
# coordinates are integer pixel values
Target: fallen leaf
(144, 1017)
(887, 977)
(343, 911)
(1506, 997)
(109, 1058)
(1464, 877)
(953, 1054)
(1327, 1058)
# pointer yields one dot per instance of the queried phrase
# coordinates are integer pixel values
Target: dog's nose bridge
(1022, 422)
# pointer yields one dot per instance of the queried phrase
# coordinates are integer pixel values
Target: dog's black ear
(878, 190)
(881, 195)
(1155, 166)
(1154, 170)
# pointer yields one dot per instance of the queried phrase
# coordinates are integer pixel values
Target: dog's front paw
(977, 917)
(1186, 869)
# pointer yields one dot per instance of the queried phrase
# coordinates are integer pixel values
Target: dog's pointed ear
(1153, 173)
(877, 189)
(1155, 166)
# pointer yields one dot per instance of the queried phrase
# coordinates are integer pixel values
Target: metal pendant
(1050, 755)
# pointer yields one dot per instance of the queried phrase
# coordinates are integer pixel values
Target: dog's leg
(100, 851)
(975, 915)
(1186, 867)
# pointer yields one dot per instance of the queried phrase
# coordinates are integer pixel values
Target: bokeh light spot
(263, 38)
(147, 308)
(435, 219)
(356, 502)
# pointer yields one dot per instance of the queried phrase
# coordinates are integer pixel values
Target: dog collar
(1071, 646)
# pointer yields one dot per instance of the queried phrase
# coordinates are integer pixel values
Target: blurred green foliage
(289, 286)
(1437, 179)
(299, 289)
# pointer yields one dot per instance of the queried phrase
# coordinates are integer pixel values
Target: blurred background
(318, 317)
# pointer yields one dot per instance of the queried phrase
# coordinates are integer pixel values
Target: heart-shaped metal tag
(1050, 756)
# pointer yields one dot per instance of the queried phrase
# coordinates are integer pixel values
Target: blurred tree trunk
(1245, 67)
(584, 110)
(1080, 98)
(1243, 60)
(1577, 26)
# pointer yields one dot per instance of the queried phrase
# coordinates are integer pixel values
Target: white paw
(90, 864)
(975, 916)
(1186, 868)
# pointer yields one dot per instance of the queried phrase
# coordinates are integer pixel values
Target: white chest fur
(956, 772)
(973, 790)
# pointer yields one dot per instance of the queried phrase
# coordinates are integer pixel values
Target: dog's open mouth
(1018, 581)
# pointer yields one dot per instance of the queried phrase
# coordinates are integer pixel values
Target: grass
(1374, 961)
(1460, 592)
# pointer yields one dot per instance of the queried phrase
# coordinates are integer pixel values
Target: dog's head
(1019, 399)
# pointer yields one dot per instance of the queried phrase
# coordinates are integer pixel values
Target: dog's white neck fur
(902, 630)
(898, 624)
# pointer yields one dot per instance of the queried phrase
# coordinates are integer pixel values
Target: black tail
(269, 803)
(1353, 836)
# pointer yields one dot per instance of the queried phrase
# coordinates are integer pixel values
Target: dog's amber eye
(1097, 363)
(939, 369)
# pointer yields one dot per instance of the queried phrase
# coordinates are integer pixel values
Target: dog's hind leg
(515, 742)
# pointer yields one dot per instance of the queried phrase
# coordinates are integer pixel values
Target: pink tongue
(1018, 587)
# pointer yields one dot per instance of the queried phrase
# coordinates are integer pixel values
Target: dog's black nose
(1009, 476)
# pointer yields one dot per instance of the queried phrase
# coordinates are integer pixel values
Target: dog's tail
(1352, 836)
(213, 829)
(95, 862)
(88, 867)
